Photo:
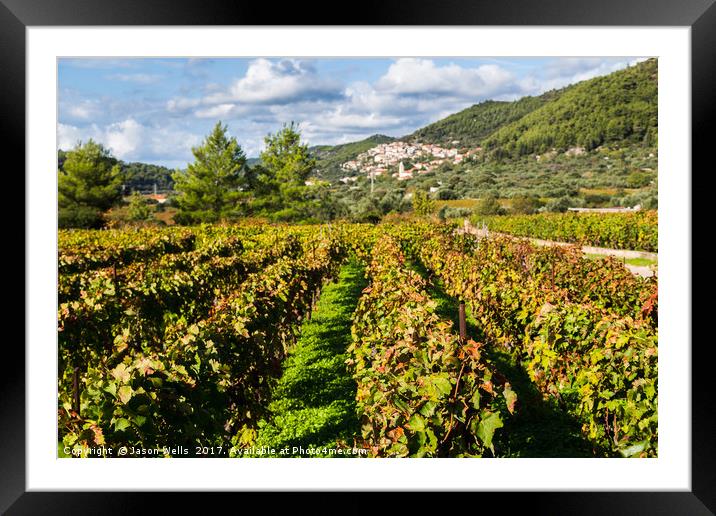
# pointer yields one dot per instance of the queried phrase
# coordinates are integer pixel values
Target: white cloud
(83, 110)
(276, 82)
(423, 76)
(124, 138)
(268, 83)
(339, 119)
(569, 70)
(129, 140)
(68, 136)
(218, 111)
(182, 104)
(139, 78)
(414, 92)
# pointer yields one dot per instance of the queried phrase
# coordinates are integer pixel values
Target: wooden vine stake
(463, 324)
(76, 390)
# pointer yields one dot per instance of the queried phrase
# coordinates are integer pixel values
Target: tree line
(218, 185)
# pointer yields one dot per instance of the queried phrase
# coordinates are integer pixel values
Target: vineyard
(635, 231)
(396, 340)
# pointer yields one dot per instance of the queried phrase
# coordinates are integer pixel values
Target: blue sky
(155, 110)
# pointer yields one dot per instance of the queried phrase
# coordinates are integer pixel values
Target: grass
(314, 401)
(640, 261)
(631, 261)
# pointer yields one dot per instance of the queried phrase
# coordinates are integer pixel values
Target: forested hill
(143, 176)
(617, 108)
(470, 126)
(330, 157)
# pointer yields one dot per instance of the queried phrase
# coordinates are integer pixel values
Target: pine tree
(138, 209)
(286, 164)
(88, 184)
(286, 157)
(213, 186)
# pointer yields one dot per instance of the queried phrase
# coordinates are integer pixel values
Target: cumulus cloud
(414, 76)
(124, 138)
(82, 110)
(217, 111)
(281, 81)
(412, 93)
(139, 78)
(130, 140)
(266, 82)
(181, 105)
(68, 136)
(340, 119)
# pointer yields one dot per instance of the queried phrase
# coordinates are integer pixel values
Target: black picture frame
(699, 15)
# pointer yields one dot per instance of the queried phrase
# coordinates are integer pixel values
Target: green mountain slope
(471, 125)
(617, 108)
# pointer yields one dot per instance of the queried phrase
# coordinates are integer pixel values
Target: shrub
(488, 206)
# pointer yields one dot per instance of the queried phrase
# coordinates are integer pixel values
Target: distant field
(458, 203)
(470, 203)
(607, 191)
(166, 216)
(636, 231)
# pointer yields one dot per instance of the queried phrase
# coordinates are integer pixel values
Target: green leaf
(489, 422)
(111, 388)
(443, 385)
(61, 451)
(401, 405)
(120, 373)
(634, 449)
(475, 401)
(125, 394)
(121, 424)
(156, 382)
(432, 443)
(428, 409)
(416, 423)
(510, 398)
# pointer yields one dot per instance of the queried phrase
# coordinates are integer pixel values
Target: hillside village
(424, 158)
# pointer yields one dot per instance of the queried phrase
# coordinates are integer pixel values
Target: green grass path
(314, 401)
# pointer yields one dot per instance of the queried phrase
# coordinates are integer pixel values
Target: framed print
(434, 248)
